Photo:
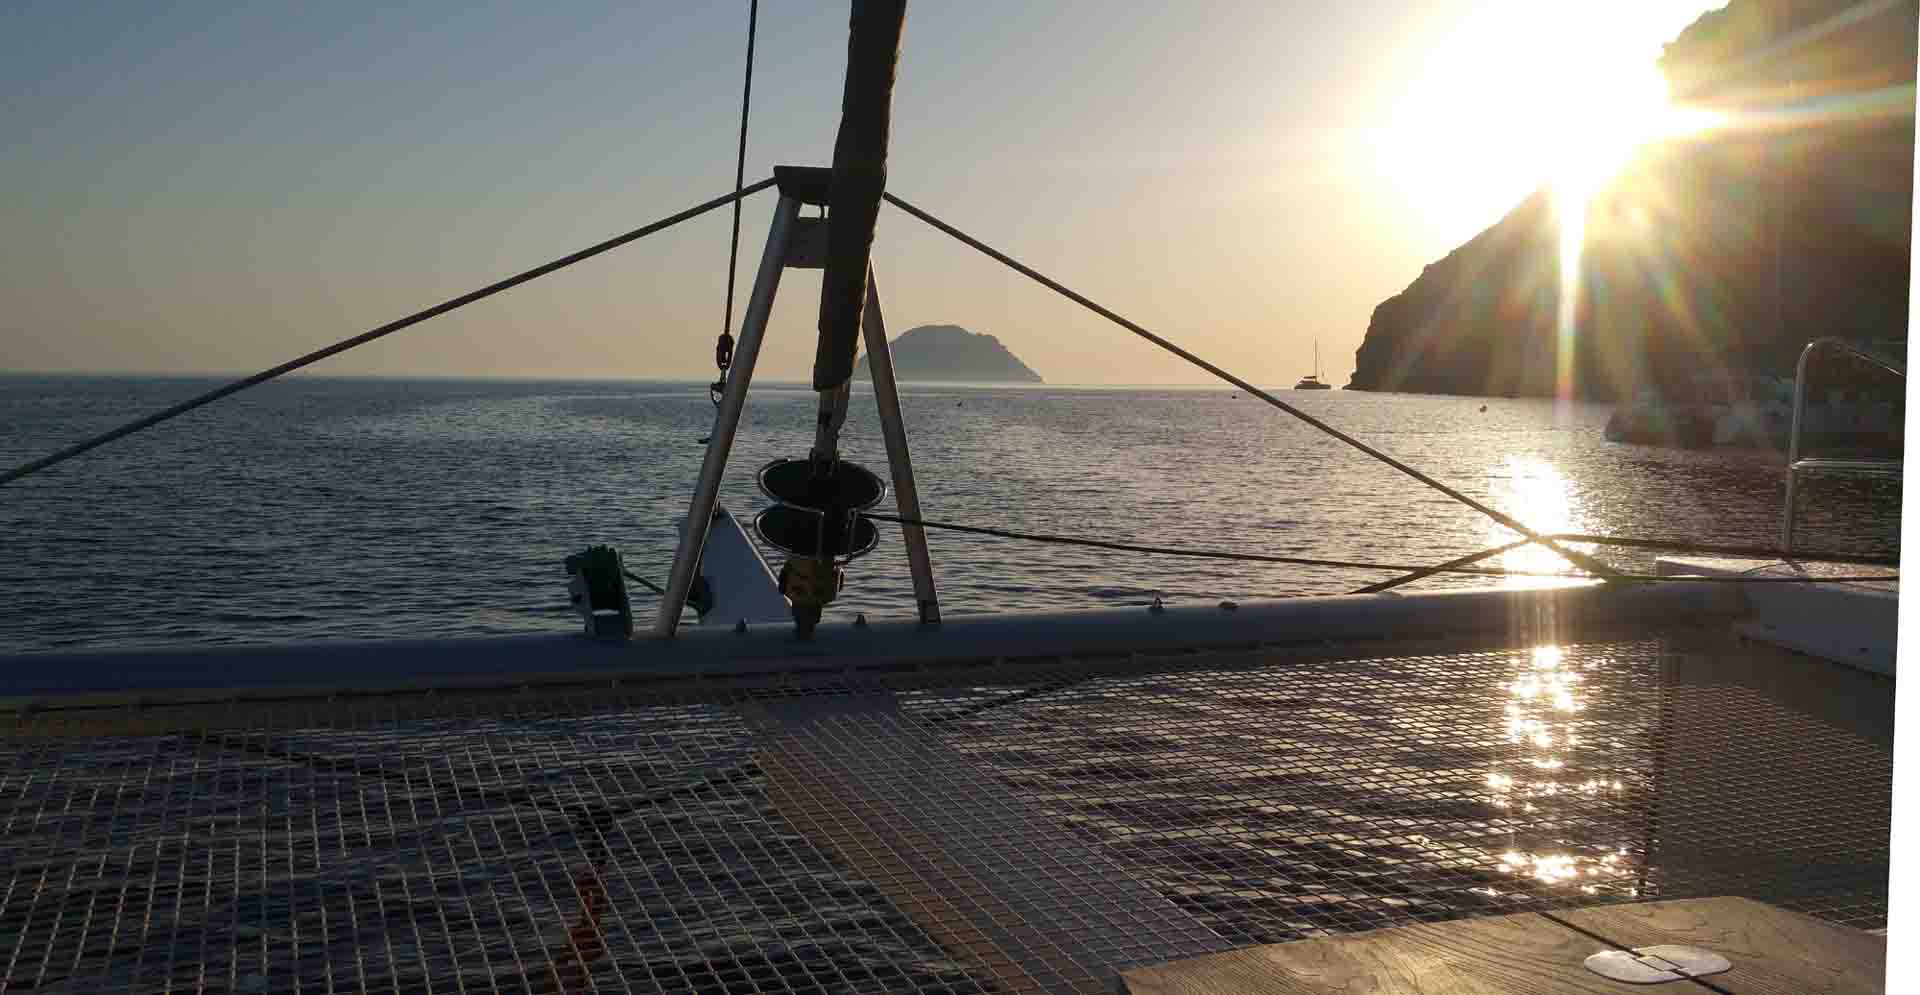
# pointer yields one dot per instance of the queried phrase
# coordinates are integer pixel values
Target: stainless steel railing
(1796, 464)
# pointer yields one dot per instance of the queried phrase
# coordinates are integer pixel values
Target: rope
(1724, 549)
(723, 349)
(1450, 565)
(1126, 547)
(148, 421)
(1579, 558)
(1710, 549)
(1456, 566)
(643, 582)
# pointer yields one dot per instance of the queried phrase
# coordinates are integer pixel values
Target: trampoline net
(999, 826)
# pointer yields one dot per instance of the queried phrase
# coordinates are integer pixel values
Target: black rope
(1450, 567)
(723, 348)
(1013, 698)
(643, 582)
(1668, 545)
(1727, 549)
(1583, 560)
(148, 421)
(1126, 547)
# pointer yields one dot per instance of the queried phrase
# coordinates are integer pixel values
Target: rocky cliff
(1680, 273)
(953, 354)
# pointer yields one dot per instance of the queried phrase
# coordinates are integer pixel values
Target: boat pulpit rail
(1796, 464)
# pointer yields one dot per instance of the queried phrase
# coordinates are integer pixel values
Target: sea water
(350, 508)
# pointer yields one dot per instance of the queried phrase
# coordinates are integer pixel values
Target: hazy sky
(217, 186)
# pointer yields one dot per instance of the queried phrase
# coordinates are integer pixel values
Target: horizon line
(561, 378)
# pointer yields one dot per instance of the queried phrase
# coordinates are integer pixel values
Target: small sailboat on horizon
(1312, 380)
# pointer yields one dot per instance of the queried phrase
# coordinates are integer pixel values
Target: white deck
(1850, 622)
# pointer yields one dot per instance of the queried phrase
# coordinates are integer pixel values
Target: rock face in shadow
(952, 354)
(1723, 252)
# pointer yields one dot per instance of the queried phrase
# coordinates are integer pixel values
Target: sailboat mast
(859, 177)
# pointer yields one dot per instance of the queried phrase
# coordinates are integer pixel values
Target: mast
(859, 178)
(831, 490)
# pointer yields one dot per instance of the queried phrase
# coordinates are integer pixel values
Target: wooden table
(1773, 951)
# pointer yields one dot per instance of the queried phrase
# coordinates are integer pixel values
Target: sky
(216, 187)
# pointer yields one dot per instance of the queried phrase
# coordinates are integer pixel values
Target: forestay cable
(148, 421)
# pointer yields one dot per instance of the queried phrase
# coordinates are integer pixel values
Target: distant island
(951, 353)
(1679, 276)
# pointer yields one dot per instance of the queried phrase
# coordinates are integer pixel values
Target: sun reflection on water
(1534, 491)
(1549, 789)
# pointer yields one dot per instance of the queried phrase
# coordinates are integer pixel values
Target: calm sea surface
(1268, 804)
(340, 508)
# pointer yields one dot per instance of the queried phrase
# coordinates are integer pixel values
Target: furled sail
(859, 177)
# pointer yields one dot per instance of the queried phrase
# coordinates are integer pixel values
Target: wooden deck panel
(1774, 952)
(1521, 954)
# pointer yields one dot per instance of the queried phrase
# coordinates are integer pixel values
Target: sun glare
(1511, 99)
(1524, 96)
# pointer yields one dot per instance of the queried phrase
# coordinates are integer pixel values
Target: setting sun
(1516, 97)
